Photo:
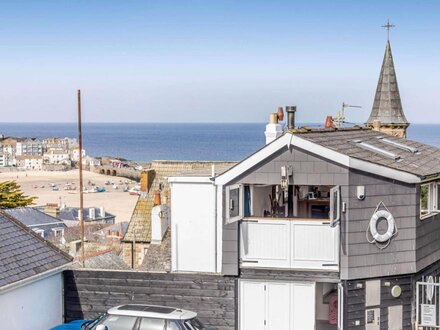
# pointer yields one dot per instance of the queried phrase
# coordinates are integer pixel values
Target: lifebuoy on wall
(381, 240)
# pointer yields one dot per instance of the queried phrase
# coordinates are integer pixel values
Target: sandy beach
(39, 184)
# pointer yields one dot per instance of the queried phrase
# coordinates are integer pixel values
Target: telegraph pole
(81, 201)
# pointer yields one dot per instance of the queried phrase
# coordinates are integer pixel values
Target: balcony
(289, 243)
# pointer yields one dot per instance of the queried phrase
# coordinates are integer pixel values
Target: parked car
(139, 317)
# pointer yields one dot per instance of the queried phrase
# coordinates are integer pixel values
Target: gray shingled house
(324, 228)
(31, 279)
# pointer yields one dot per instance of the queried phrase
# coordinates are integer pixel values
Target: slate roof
(387, 106)
(36, 219)
(424, 163)
(23, 253)
(71, 213)
(32, 216)
(158, 257)
(139, 227)
(106, 260)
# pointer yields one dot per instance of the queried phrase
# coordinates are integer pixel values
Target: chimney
(102, 212)
(273, 129)
(146, 180)
(92, 213)
(291, 109)
(52, 209)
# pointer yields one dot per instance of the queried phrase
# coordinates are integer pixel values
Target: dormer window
(429, 199)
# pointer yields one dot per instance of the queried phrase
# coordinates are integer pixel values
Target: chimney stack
(291, 109)
(102, 212)
(273, 129)
(92, 213)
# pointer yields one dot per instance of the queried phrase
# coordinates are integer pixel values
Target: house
(69, 215)
(113, 231)
(106, 259)
(29, 162)
(56, 156)
(324, 228)
(29, 147)
(41, 223)
(74, 154)
(31, 278)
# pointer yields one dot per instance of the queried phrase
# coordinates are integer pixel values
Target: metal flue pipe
(291, 109)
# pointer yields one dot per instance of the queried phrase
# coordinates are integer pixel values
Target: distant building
(75, 154)
(69, 215)
(41, 223)
(57, 156)
(29, 162)
(31, 277)
(29, 147)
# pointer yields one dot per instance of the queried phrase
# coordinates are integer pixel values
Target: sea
(145, 142)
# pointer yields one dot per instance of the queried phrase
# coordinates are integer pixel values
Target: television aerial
(339, 118)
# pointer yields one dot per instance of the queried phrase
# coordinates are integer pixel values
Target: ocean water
(154, 141)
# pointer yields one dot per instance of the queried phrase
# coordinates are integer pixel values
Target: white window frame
(57, 231)
(334, 221)
(433, 208)
(39, 232)
(230, 219)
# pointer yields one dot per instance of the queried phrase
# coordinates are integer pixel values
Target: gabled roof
(24, 254)
(30, 216)
(387, 106)
(359, 148)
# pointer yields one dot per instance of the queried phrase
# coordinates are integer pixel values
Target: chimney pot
(280, 114)
(273, 118)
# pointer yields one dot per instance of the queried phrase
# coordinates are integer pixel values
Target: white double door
(276, 305)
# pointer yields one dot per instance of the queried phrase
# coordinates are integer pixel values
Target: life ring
(373, 226)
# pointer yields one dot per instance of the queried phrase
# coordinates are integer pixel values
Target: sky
(212, 61)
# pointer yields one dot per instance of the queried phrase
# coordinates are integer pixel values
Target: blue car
(74, 325)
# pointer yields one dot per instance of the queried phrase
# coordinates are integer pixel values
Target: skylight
(398, 145)
(378, 150)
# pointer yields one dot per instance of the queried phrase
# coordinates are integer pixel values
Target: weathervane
(388, 26)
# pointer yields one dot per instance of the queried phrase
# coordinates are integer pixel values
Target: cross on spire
(388, 26)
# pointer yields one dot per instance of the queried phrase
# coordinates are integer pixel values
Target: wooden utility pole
(81, 203)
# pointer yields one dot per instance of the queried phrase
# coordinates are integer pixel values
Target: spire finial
(388, 26)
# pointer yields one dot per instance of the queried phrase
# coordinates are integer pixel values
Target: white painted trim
(32, 279)
(316, 149)
(189, 179)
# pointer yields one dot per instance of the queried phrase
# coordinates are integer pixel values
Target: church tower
(387, 114)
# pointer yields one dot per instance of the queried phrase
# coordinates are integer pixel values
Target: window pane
(152, 324)
(233, 203)
(117, 322)
(438, 196)
(172, 325)
(424, 199)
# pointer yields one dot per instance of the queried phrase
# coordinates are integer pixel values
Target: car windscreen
(117, 322)
(194, 324)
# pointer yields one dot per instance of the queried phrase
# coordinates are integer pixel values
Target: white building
(29, 162)
(31, 279)
(75, 154)
(56, 156)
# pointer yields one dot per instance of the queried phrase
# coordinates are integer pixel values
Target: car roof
(153, 311)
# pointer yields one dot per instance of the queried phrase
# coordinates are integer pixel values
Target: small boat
(52, 185)
(42, 186)
(115, 186)
(106, 182)
(134, 191)
(100, 189)
(55, 188)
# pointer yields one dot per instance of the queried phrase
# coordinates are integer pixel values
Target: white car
(145, 317)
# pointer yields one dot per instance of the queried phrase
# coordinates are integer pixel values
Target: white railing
(292, 244)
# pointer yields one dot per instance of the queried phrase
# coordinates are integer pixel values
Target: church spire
(387, 114)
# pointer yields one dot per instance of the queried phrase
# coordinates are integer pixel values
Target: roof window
(378, 150)
(397, 144)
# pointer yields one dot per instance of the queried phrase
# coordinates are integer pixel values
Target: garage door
(277, 305)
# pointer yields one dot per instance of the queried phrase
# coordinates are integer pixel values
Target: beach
(39, 184)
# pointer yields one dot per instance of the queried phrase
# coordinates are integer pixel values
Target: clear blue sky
(212, 61)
